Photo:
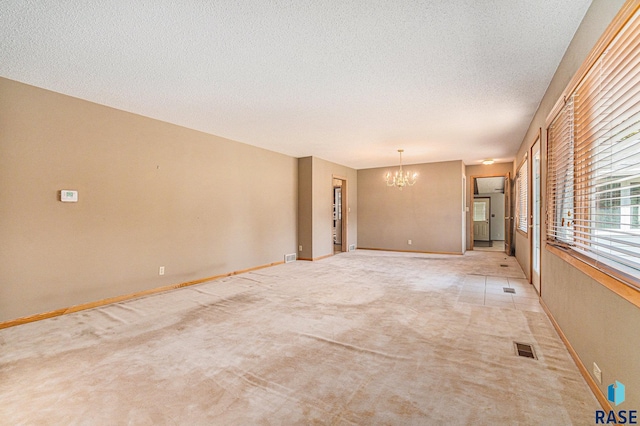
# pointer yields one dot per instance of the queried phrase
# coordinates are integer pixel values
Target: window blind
(560, 147)
(522, 207)
(594, 160)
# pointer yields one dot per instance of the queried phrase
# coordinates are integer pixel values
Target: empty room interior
(320, 213)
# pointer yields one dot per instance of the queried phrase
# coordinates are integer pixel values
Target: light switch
(68, 196)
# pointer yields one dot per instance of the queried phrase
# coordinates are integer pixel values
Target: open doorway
(339, 230)
(489, 204)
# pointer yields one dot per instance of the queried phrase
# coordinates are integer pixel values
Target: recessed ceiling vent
(289, 258)
(525, 350)
(509, 290)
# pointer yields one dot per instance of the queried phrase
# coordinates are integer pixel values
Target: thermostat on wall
(68, 196)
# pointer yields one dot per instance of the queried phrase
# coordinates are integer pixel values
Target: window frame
(621, 282)
(522, 197)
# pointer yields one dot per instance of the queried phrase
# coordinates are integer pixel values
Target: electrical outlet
(161, 270)
(409, 242)
(299, 248)
(597, 373)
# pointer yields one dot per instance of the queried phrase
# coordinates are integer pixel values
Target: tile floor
(489, 291)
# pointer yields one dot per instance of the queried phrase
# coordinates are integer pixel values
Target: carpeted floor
(359, 338)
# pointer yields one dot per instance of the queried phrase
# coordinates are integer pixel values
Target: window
(522, 188)
(479, 212)
(607, 214)
(593, 172)
(560, 175)
(634, 207)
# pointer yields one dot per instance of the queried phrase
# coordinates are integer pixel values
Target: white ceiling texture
(347, 81)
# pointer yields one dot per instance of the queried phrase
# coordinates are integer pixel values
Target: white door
(481, 210)
(535, 216)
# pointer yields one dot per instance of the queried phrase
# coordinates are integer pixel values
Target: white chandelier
(401, 178)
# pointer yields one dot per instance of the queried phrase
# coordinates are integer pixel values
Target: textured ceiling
(346, 81)
(490, 185)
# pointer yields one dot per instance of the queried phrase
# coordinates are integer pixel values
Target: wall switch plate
(597, 373)
(161, 270)
(299, 248)
(409, 242)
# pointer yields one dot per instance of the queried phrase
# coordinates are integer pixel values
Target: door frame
(532, 230)
(508, 215)
(345, 245)
(507, 211)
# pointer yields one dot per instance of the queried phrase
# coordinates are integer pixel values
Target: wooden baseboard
(116, 299)
(583, 370)
(322, 257)
(411, 251)
(315, 258)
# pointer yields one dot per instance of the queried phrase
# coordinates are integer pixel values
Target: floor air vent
(289, 258)
(502, 265)
(525, 350)
(509, 290)
(352, 247)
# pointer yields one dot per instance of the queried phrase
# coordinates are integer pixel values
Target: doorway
(339, 219)
(489, 203)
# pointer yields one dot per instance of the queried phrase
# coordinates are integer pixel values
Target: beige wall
(305, 208)
(522, 249)
(601, 326)
(150, 194)
(480, 170)
(323, 172)
(428, 213)
(316, 203)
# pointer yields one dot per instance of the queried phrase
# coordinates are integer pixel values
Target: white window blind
(560, 140)
(594, 160)
(522, 207)
(479, 212)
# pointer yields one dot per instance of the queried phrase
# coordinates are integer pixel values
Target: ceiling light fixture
(488, 162)
(401, 179)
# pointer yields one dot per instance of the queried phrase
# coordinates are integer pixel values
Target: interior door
(481, 215)
(535, 215)
(508, 231)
